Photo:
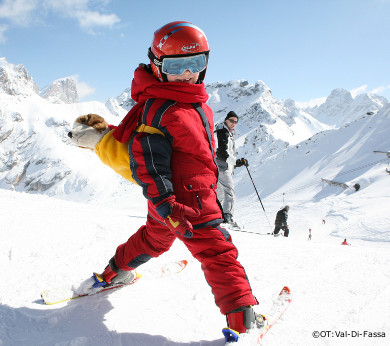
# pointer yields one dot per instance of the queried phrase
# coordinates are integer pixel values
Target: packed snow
(49, 243)
(63, 213)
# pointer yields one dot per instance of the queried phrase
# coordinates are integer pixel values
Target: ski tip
(173, 267)
(182, 264)
(286, 292)
(46, 299)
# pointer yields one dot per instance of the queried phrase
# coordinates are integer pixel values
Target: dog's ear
(94, 120)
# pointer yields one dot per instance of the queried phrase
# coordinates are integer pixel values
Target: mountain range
(36, 155)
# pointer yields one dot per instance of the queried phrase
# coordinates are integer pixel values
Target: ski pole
(236, 230)
(255, 188)
(258, 196)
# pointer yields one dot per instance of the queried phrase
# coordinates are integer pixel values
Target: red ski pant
(212, 246)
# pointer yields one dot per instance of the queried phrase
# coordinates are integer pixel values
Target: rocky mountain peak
(15, 79)
(341, 107)
(62, 90)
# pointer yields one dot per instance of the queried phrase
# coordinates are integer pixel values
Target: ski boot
(241, 320)
(228, 219)
(112, 275)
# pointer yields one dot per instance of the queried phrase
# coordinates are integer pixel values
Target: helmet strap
(154, 59)
(158, 63)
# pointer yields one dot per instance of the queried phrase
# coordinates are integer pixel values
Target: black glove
(242, 162)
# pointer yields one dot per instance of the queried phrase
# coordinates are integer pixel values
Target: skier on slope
(227, 162)
(345, 242)
(281, 222)
(172, 158)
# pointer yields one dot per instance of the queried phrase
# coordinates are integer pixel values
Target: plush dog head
(88, 130)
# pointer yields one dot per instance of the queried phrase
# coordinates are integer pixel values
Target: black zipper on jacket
(199, 202)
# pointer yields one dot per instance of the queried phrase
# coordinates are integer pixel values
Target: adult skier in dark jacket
(227, 162)
(281, 221)
(172, 158)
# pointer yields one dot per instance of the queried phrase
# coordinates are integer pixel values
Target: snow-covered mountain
(35, 153)
(62, 90)
(268, 126)
(340, 107)
(15, 80)
(345, 155)
(120, 105)
(37, 156)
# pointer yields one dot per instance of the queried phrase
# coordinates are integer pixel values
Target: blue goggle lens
(177, 66)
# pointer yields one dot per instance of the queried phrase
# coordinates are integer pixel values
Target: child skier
(172, 157)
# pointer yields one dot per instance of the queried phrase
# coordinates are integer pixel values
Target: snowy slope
(344, 155)
(47, 242)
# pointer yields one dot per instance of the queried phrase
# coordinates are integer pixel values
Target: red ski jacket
(172, 151)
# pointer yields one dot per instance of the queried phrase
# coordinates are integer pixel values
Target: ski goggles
(177, 66)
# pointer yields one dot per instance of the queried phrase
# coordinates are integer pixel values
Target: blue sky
(302, 49)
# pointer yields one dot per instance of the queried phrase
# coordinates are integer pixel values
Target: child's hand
(179, 226)
(175, 216)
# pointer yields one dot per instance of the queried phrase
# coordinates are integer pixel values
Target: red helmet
(177, 39)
